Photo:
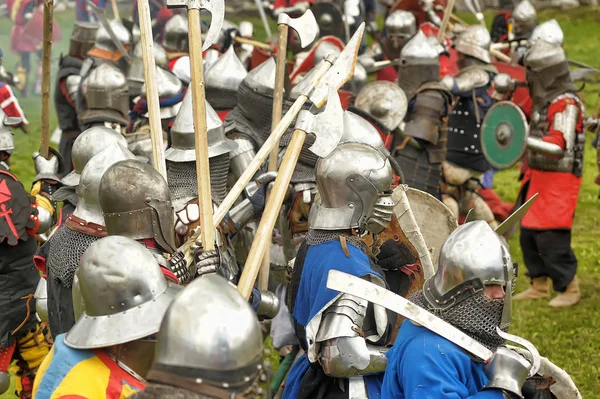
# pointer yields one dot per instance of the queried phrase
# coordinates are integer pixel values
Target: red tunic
(558, 191)
(10, 104)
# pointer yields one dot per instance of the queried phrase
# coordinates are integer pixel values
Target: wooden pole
(265, 229)
(115, 9)
(156, 133)
(46, 77)
(200, 131)
(445, 20)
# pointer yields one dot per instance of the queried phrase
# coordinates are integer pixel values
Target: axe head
(217, 12)
(306, 26)
(340, 72)
(328, 126)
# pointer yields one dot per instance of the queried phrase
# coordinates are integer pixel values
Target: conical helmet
(176, 34)
(135, 75)
(170, 91)
(223, 79)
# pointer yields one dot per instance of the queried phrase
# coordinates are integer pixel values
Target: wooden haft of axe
(328, 131)
(217, 10)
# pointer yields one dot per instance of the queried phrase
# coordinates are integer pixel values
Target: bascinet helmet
(401, 24)
(124, 292)
(472, 257)
(543, 55)
(524, 17)
(82, 38)
(354, 183)
(549, 31)
(136, 203)
(420, 64)
(475, 42)
(135, 75)
(103, 41)
(88, 144)
(88, 206)
(228, 352)
(107, 96)
(223, 79)
(176, 34)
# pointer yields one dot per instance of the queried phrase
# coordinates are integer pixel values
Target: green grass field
(569, 337)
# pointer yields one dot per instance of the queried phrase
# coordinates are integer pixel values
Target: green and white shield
(504, 134)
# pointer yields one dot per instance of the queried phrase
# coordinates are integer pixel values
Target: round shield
(504, 134)
(434, 218)
(330, 18)
(385, 101)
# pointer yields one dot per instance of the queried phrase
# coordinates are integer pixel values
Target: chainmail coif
(477, 316)
(65, 248)
(183, 183)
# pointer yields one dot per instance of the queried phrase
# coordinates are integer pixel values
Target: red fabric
(288, 3)
(223, 114)
(309, 62)
(10, 104)
(6, 355)
(500, 209)
(169, 275)
(521, 96)
(172, 63)
(388, 74)
(163, 16)
(416, 9)
(40, 263)
(118, 376)
(62, 85)
(558, 191)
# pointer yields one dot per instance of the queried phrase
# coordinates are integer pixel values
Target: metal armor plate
(504, 134)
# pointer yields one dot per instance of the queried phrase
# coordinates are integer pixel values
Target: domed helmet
(385, 101)
(136, 203)
(170, 91)
(135, 75)
(400, 26)
(88, 191)
(223, 79)
(475, 42)
(547, 72)
(549, 31)
(211, 305)
(83, 38)
(89, 143)
(473, 257)
(107, 96)
(124, 292)
(420, 64)
(525, 18)
(103, 40)
(176, 34)
(354, 182)
(181, 156)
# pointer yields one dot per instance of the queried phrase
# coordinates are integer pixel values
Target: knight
(422, 363)
(423, 148)
(105, 99)
(120, 284)
(342, 336)
(222, 81)
(136, 203)
(22, 339)
(59, 256)
(465, 162)
(135, 73)
(9, 103)
(524, 18)
(67, 83)
(400, 26)
(554, 169)
(170, 96)
(193, 367)
(176, 44)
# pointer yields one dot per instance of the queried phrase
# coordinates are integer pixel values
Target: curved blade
(349, 284)
(535, 355)
(306, 26)
(328, 127)
(217, 12)
(340, 72)
(515, 217)
(106, 24)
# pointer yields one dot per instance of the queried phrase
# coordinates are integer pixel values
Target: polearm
(158, 152)
(445, 20)
(46, 69)
(217, 9)
(307, 28)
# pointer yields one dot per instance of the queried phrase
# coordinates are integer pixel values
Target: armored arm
(563, 132)
(426, 116)
(240, 158)
(467, 81)
(72, 84)
(344, 352)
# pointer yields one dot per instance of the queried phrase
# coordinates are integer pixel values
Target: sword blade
(349, 284)
(515, 217)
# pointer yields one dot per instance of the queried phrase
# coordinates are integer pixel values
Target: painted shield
(330, 17)
(504, 134)
(434, 218)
